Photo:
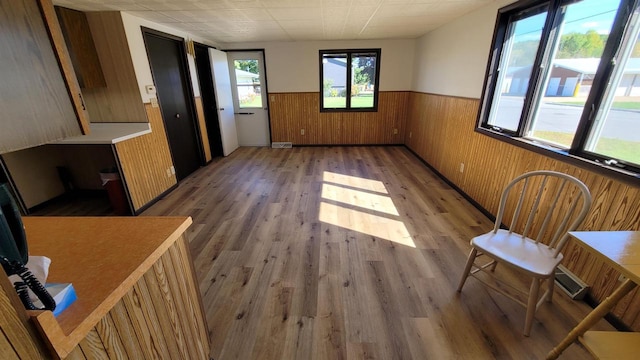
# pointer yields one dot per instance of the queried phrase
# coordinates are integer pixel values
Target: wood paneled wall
(160, 317)
(145, 160)
(440, 129)
(291, 112)
(204, 135)
(120, 101)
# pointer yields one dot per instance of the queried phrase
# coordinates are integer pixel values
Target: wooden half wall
(292, 112)
(440, 129)
(145, 160)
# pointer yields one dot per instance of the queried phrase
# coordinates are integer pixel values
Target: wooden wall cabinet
(77, 36)
(40, 99)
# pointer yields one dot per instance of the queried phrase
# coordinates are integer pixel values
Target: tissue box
(63, 294)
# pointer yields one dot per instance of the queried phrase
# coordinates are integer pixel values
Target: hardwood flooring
(348, 253)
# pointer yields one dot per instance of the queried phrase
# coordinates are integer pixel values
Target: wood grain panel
(145, 160)
(120, 101)
(203, 129)
(291, 112)
(152, 321)
(66, 66)
(440, 129)
(18, 339)
(77, 36)
(37, 90)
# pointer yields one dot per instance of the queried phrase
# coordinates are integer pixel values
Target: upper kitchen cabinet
(40, 99)
(84, 57)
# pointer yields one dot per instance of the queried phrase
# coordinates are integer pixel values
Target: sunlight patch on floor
(354, 181)
(361, 199)
(378, 217)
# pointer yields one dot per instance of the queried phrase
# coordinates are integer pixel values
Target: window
(565, 75)
(349, 79)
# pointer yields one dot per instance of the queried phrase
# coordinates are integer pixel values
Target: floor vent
(570, 283)
(281, 145)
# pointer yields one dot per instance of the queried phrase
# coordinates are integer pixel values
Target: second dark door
(168, 66)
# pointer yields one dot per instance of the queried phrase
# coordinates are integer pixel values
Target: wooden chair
(552, 200)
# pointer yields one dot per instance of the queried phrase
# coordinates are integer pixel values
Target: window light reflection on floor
(340, 208)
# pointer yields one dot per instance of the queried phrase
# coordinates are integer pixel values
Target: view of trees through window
(248, 82)
(349, 79)
(570, 64)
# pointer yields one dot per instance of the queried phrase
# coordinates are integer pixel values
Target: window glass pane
(334, 81)
(516, 61)
(616, 130)
(248, 81)
(363, 81)
(583, 31)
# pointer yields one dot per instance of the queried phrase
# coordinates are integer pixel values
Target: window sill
(627, 177)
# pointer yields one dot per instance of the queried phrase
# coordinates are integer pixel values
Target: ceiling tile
(264, 20)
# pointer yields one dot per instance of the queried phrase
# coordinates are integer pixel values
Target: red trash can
(112, 182)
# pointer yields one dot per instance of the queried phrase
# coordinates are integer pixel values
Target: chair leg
(493, 267)
(467, 268)
(531, 305)
(552, 286)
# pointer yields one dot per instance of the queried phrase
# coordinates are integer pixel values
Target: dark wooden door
(207, 91)
(168, 65)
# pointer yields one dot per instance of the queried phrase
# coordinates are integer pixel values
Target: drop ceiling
(233, 21)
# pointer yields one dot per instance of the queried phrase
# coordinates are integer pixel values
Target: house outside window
(565, 75)
(349, 80)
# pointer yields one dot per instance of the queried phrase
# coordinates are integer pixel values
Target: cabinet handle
(221, 109)
(82, 101)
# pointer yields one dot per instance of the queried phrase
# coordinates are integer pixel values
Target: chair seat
(523, 253)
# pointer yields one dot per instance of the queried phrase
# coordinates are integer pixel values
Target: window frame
(575, 154)
(350, 53)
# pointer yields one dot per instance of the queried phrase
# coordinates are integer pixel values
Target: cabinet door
(40, 100)
(77, 36)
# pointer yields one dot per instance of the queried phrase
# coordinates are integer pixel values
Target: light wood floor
(347, 252)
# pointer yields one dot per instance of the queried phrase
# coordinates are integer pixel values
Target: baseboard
(155, 200)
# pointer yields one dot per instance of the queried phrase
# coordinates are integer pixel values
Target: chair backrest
(546, 206)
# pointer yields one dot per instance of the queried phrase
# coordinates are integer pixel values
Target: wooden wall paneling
(291, 112)
(84, 57)
(37, 95)
(120, 101)
(16, 331)
(203, 129)
(91, 347)
(66, 66)
(145, 160)
(442, 129)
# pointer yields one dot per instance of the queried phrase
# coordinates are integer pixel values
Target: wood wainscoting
(145, 160)
(440, 129)
(291, 112)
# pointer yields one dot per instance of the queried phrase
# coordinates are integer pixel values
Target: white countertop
(108, 133)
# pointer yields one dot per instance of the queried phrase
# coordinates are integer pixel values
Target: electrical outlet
(301, 131)
(273, 98)
(395, 131)
(173, 170)
(410, 133)
(461, 167)
(154, 102)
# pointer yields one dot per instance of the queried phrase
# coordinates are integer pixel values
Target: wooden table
(621, 250)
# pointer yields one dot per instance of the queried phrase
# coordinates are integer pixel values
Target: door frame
(184, 70)
(266, 84)
(207, 121)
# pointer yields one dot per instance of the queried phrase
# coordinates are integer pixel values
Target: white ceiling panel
(276, 20)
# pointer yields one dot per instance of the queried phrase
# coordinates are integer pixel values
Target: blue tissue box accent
(64, 295)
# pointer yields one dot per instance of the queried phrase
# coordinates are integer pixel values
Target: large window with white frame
(565, 75)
